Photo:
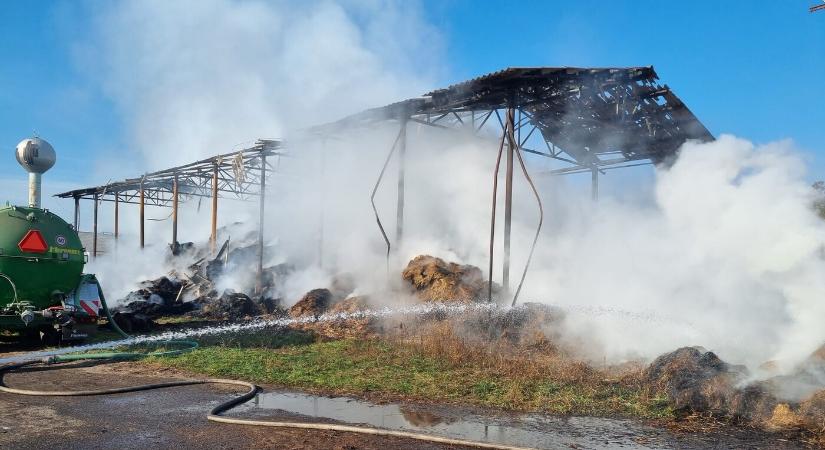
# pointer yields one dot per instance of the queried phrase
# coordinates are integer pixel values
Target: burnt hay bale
(435, 280)
(313, 303)
(695, 380)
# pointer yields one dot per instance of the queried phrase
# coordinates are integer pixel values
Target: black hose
(215, 414)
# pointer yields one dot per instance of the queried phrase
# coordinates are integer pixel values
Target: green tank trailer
(43, 291)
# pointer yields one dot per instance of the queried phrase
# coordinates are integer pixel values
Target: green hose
(187, 345)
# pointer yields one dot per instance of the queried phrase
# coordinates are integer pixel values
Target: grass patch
(401, 369)
(175, 320)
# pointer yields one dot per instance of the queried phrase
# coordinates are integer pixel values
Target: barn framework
(241, 175)
(586, 119)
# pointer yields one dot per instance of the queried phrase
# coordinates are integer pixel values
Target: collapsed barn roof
(588, 117)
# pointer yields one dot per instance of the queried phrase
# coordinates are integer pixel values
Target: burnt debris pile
(202, 290)
(696, 381)
(223, 287)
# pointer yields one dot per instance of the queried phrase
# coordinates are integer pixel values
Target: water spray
(215, 414)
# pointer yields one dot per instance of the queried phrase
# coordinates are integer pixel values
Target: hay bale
(698, 381)
(349, 327)
(350, 305)
(435, 280)
(313, 303)
(783, 418)
(694, 380)
(338, 328)
(812, 410)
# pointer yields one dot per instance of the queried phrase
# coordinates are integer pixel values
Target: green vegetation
(395, 369)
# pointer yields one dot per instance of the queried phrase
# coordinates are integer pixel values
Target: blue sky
(748, 67)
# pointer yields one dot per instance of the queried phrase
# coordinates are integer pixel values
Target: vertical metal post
(76, 213)
(259, 284)
(402, 163)
(322, 210)
(508, 195)
(94, 233)
(175, 215)
(213, 238)
(117, 215)
(142, 215)
(594, 184)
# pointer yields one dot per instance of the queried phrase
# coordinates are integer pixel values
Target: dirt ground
(176, 418)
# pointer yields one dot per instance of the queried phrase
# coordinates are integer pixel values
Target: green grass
(169, 320)
(379, 367)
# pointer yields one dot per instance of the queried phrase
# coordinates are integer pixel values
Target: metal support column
(259, 282)
(117, 215)
(508, 195)
(322, 192)
(142, 215)
(594, 184)
(402, 163)
(175, 215)
(94, 233)
(213, 238)
(76, 213)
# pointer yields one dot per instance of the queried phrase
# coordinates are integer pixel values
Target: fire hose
(215, 414)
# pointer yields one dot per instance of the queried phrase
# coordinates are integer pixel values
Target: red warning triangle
(33, 242)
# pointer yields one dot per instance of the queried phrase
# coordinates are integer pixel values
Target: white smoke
(193, 79)
(726, 255)
(729, 257)
(196, 78)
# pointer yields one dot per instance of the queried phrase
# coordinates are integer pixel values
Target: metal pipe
(259, 283)
(402, 151)
(372, 199)
(34, 189)
(76, 213)
(508, 196)
(538, 227)
(175, 215)
(213, 238)
(493, 219)
(142, 215)
(94, 233)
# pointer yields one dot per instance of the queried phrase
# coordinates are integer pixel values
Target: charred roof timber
(587, 117)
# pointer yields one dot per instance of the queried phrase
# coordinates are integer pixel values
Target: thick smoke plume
(727, 253)
(196, 78)
(729, 256)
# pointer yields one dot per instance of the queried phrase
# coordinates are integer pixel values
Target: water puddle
(518, 430)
